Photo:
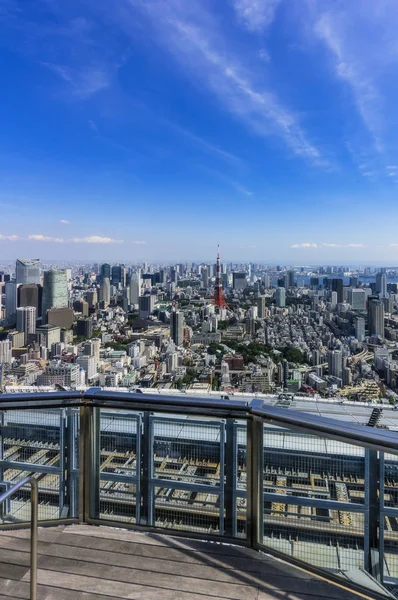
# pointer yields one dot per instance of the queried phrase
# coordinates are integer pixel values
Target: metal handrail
(33, 527)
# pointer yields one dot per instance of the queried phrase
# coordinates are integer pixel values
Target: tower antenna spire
(219, 299)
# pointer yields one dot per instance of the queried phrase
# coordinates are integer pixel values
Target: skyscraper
(26, 320)
(27, 270)
(335, 363)
(289, 279)
(30, 294)
(357, 299)
(105, 271)
(337, 286)
(360, 329)
(55, 291)
(11, 301)
(118, 275)
(205, 277)
(239, 281)
(135, 287)
(381, 285)
(280, 297)
(105, 291)
(261, 307)
(376, 317)
(177, 327)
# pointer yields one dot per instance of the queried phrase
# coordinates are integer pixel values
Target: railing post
(231, 470)
(254, 481)
(147, 471)
(89, 463)
(33, 537)
(372, 514)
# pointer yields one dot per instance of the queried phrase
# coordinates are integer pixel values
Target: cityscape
(326, 332)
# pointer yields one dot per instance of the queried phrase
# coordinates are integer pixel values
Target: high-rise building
(239, 280)
(27, 271)
(84, 327)
(30, 294)
(360, 329)
(381, 285)
(26, 320)
(267, 281)
(48, 335)
(376, 317)
(11, 302)
(205, 277)
(280, 297)
(146, 305)
(335, 363)
(105, 271)
(357, 299)
(354, 281)
(118, 275)
(261, 307)
(135, 287)
(177, 327)
(337, 286)
(5, 352)
(55, 291)
(289, 279)
(105, 291)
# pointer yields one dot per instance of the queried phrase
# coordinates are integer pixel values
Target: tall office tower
(357, 299)
(105, 271)
(30, 294)
(261, 307)
(26, 320)
(376, 318)
(5, 352)
(353, 281)
(118, 275)
(27, 271)
(239, 280)
(105, 291)
(280, 297)
(360, 329)
(135, 287)
(177, 327)
(335, 363)
(381, 285)
(92, 298)
(55, 291)
(289, 279)
(316, 357)
(267, 281)
(205, 277)
(146, 305)
(333, 299)
(337, 286)
(173, 275)
(11, 301)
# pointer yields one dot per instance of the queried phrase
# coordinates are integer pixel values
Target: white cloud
(10, 238)
(139, 243)
(96, 239)
(263, 54)
(83, 82)
(197, 42)
(44, 238)
(393, 245)
(256, 15)
(64, 222)
(331, 245)
(356, 245)
(305, 245)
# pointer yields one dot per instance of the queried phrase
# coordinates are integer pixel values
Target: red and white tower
(219, 299)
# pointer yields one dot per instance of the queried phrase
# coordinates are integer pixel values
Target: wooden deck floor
(80, 562)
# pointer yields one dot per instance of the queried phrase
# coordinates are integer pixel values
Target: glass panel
(120, 436)
(302, 469)
(34, 443)
(241, 480)
(190, 454)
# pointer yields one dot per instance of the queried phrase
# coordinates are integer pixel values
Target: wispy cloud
(208, 57)
(326, 245)
(83, 82)
(10, 238)
(44, 238)
(64, 222)
(96, 239)
(139, 243)
(255, 15)
(304, 245)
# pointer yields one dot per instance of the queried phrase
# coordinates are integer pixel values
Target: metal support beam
(372, 514)
(147, 492)
(254, 482)
(231, 470)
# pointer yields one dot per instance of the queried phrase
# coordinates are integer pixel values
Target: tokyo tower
(219, 299)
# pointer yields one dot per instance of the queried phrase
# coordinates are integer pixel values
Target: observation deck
(149, 496)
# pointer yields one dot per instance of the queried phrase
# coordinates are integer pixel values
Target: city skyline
(257, 124)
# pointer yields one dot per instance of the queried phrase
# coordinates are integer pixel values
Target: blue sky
(153, 129)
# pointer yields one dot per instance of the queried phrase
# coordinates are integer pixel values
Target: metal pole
(33, 538)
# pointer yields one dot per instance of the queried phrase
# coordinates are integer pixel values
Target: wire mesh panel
(187, 479)
(305, 478)
(33, 443)
(120, 459)
(389, 518)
